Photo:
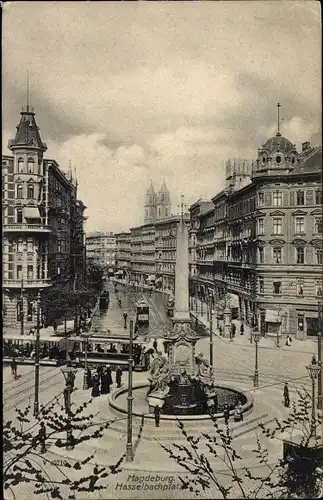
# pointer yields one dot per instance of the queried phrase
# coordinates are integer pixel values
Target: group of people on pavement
(101, 380)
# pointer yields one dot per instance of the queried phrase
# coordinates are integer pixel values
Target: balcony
(34, 283)
(26, 228)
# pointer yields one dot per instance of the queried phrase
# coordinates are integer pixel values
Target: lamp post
(256, 336)
(129, 450)
(69, 374)
(22, 307)
(279, 327)
(202, 307)
(36, 398)
(85, 336)
(313, 371)
(319, 359)
(211, 330)
(196, 300)
(125, 316)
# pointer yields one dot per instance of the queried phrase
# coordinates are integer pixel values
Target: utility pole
(36, 400)
(319, 358)
(129, 450)
(22, 307)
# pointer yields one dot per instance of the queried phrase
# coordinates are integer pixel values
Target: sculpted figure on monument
(159, 375)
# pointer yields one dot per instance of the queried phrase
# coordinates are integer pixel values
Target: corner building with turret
(261, 242)
(43, 225)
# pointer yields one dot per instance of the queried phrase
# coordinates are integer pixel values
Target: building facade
(42, 236)
(123, 251)
(101, 249)
(262, 241)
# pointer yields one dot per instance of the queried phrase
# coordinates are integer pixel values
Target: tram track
(22, 382)
(7, 403)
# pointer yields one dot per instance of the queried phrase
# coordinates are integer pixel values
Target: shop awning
(272, 316)
(151, 277)
(32, 213)
(118, 273)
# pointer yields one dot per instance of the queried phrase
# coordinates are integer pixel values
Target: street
(234, 363)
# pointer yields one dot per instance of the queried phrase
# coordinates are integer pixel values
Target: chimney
(306, 145)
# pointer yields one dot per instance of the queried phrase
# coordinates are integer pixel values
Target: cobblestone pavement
(234, 363)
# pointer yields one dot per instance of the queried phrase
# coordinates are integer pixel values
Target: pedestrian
(226, 414)
(241, 329)
(72, 381)
(288, 340)
(13, 365)
(89, 377)
(95, 386)
(155, 345)
(99, 371)
(233, 330)
(220, 330)
(118, 376)
(109, 377)
(286, 395)
(157, 412)
(42, 437)
(105, 387)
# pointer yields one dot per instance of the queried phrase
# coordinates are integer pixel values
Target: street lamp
(256, 336)
(319, 358)
(22, 307)
(211, 329)
(129, 450)
(125, 316)
(313, 371)
(279, 327)
(85, 336)
(69, 375)
(36, 398)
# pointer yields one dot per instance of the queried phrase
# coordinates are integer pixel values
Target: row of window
(277, 287)
(299, 255)
(299, 225)
(30, 191)
(277, 198)
(31, 166)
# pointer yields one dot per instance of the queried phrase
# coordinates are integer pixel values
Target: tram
(52, 349)
(110, 350)
(104, 299)
(142, 314)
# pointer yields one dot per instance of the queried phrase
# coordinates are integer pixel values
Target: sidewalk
(268, 342)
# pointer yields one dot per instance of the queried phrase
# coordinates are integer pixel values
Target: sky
(130, 92)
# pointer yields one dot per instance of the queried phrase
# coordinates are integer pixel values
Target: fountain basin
(118, 401)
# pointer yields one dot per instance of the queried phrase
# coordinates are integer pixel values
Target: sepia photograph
(162, 272)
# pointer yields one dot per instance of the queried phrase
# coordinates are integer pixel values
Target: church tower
(163, 205)
(150, 204)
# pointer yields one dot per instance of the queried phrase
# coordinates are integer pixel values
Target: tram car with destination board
(113, 350)
(52, 349)
(142, 314)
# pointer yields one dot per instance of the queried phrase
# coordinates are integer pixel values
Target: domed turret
(278, 153)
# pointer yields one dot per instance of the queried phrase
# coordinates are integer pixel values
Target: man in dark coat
(241, 329)
(155, 345)
(286, 395)
(226, 414)
(13, 365)
(89, 377)
(105, 386)
(233, 330)
(109, 376)
(118, 376)
(157, 412)
(95, 386)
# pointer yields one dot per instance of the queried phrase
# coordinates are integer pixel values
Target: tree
(284, 479)
(23, 462)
